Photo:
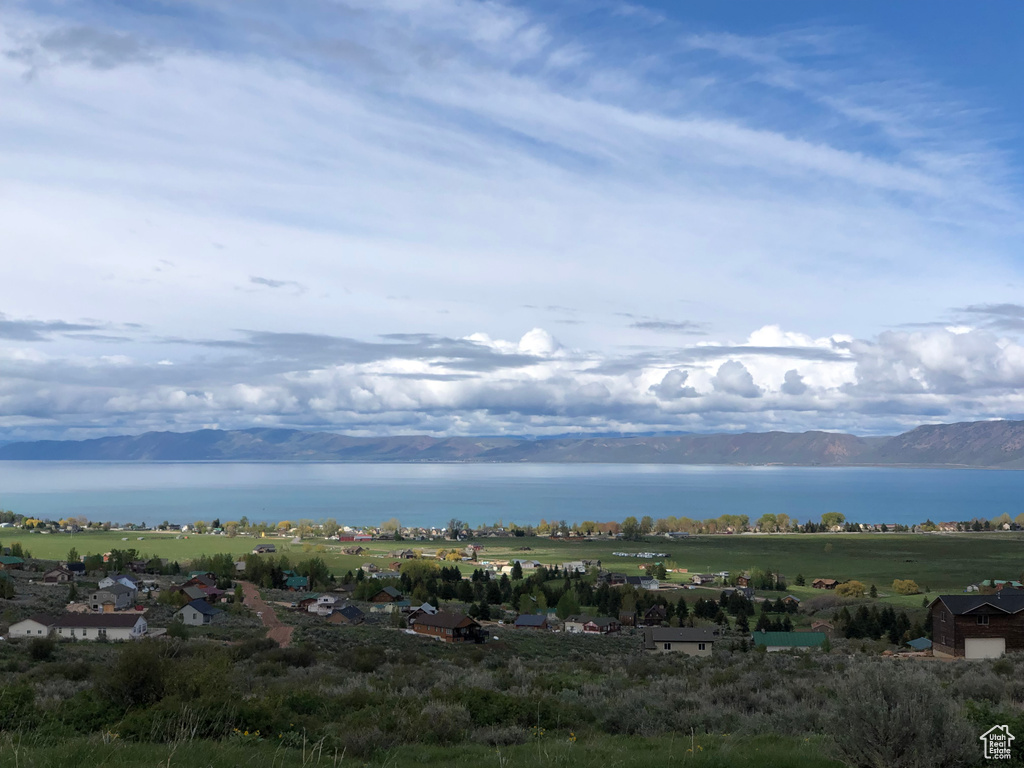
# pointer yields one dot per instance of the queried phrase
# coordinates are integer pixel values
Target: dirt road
(276, 631)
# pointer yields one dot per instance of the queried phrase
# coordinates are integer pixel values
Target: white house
(38, 625)
(101, 626)
(118, 578)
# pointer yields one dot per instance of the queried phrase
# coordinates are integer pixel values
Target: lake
(431, 494)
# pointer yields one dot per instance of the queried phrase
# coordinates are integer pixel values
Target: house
(977, 626)
(627, 618)
(200, 582)
(425, 608)
(742, 581)
(37, 625)
(78, 569)
(402, 554)
(117, 578)
(824, 583)
(788, 641)
(10, 562)
(531, 621)
(114, 598)
(703, 578)
(264, 549)
(643, 582)
(791, 600)
(85, 626)
(528, 565)
(693, 641)
(296, 583)
(654, 616)
(318, 603)
(450, 627)
(575, 566)
(199, 613)
(59, 575)
(998, 584)
(747, 592)
(602, 625)
(386, 595)
(192, 593)
(821, 625)
(348, 614)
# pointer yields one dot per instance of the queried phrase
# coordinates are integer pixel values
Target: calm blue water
(432, 494)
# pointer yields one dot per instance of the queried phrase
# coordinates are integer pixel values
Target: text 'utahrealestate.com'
(511, 384)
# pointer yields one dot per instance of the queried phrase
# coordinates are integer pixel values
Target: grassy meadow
(937, 562)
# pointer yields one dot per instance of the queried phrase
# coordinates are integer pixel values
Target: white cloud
(469, 171)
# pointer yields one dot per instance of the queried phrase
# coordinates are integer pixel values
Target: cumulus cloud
(794, 383)
(673, 386)
(480, 384)
(733, 378)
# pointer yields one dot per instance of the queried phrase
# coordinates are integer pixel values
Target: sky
(455, 217)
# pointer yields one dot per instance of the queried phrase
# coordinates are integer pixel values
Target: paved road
(276, 631)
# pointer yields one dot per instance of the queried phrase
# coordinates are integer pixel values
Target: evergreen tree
(874, 591)
(742, 625)
(682, 609)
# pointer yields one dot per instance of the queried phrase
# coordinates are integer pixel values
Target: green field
(602, 752)
(939, 562)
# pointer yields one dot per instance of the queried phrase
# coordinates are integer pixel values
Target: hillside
(973, 444)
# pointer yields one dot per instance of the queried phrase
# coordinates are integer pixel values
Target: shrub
(500, 735)
(41, 648)
(893, 716)
(851, 589)
(905, 587)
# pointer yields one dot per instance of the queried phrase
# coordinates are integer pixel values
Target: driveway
(276, 631)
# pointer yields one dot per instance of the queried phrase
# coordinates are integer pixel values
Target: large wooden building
(977, 626)
(450, 627)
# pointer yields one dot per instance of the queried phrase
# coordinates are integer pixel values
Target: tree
(631, 529)
(800, 580)
(517, 571)
(830, 519)
(851, 589)
(905, 587)
(646, 525)
(73, 556)
(567, 605)
(768, 522)
(874, 591)
(391, 526)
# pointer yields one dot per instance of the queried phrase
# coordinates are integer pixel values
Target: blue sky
(463, 217)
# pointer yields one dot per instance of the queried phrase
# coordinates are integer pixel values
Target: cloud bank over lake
(496, 218)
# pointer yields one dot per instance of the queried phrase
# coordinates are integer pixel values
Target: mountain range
(992, 444)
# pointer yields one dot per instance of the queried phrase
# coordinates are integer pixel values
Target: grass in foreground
(604, 752)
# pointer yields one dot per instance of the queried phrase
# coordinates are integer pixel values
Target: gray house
(199, 613)
(114, 598)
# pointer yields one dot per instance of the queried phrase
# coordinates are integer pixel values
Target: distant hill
(973, 444)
